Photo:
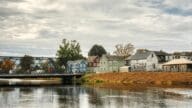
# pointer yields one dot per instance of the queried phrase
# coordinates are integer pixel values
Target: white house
(145, 60)
(178, 65)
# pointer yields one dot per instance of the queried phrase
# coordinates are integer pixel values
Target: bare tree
(124, 50)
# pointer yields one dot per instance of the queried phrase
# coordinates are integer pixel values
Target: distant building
(78, 66)
(93, 63)
(110, 63)
(178, 65)
(17, 59)
(145, 60)
(14, 59)
(179, 55)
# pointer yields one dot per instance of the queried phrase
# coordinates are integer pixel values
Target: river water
(75, 96)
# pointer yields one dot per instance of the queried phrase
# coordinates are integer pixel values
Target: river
(75, 96)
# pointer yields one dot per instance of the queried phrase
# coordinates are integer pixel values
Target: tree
(124, 50)
(97, 50)
(26, 62)
(68, 50)
(7, 65)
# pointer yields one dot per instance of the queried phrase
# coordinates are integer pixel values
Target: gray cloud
(4, 12)
(37, 27)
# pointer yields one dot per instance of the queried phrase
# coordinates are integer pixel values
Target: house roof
(114, 57)
(160, 53)
(139, 55)
(143, 54)
(178, 61)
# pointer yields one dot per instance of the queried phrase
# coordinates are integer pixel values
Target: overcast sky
(37, 27)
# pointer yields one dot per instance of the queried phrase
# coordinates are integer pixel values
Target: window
(154, 66)
(152, 55)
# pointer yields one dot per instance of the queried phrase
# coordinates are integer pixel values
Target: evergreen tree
(26, 62)
(97, 50)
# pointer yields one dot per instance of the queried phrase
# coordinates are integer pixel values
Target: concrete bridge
(40, 75)
(67, 78)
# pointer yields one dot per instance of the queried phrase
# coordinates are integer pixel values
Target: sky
(37, 27)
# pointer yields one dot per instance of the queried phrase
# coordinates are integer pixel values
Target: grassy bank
(144, 78)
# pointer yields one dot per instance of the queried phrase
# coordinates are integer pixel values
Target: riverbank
(142, 78)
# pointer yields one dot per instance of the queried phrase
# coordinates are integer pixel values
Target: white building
(178, 65)
(180, 55)
(145, 60)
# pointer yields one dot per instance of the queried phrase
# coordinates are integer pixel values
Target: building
(16, 59)
(78, 66)
(178, 65)
(110, 63)
(145, 60)
(93, 63)
(178, 55)
(38, 61)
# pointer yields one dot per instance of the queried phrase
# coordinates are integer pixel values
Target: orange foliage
(7, 65)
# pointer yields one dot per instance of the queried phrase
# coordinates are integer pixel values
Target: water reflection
(84, 97)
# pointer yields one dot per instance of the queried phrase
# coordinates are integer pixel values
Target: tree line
(71, 50)
(68, 50)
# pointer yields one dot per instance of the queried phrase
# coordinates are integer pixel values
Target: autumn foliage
(7, 65)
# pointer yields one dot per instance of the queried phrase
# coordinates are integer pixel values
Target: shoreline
(140, 78)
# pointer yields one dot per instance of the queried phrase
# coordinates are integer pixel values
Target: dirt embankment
(152, 78)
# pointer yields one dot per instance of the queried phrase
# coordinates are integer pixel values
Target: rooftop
(178, 61)
(114, 57)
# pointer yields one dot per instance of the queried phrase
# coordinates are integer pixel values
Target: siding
(106, 65)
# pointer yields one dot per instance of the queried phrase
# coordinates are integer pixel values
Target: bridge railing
(46, 73)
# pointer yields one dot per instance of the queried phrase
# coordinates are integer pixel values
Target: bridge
(65, 77)
(40, 75)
